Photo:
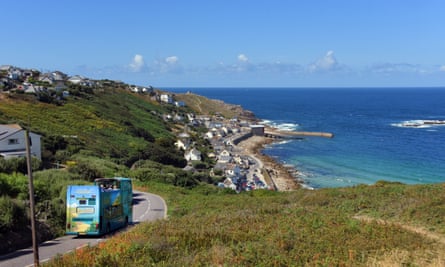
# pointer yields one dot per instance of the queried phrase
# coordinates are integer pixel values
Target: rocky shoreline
(282, 178)
(275, 174)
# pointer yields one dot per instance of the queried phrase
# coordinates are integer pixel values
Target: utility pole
(35, 247)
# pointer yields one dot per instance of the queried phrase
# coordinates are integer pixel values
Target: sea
(390, 134)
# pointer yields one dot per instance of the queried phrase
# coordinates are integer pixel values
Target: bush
(11, 215)
(88, 167)
(203, 177)
(14, 185)
(5, 188)
(18, 165)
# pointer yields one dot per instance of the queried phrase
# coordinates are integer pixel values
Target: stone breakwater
(281, 177)
(284, 135)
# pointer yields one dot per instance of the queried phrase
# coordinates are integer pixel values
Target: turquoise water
(380, 134)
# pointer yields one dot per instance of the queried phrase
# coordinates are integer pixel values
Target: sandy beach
(274, 173)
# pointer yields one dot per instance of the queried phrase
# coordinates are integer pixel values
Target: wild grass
(112, 123)
(206, 106)
(210, 227)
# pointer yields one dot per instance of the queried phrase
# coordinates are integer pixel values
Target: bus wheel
(126, 221)
(108, 228)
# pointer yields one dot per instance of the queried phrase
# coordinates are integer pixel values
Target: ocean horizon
(391, 134)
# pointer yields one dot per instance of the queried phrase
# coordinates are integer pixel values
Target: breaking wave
(282, 126)
(419, 123)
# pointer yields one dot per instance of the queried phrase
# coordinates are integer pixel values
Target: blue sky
(242, 43)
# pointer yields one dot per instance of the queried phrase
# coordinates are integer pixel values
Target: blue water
(371, 141)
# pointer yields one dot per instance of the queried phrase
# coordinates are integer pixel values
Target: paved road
(146, 207)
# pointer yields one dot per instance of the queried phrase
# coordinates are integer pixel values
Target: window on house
(13, 141)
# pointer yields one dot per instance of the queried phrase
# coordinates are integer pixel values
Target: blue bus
(100, 208)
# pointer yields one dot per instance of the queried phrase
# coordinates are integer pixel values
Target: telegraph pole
(35, 247)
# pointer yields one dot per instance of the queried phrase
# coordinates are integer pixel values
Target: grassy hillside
(91, 134)
(382, 225)
(207, 106)
(112, 123)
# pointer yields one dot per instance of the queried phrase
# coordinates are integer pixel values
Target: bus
(100, 208)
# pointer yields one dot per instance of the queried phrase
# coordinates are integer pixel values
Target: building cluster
(33, 81)
(242, 172)
(13, 79)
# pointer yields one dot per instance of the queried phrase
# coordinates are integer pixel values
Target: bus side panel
(127, 199)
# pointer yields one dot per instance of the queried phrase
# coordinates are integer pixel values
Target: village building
(183, 141)
(224, 157)
(257, 129)
(232, 170)
(180, 103)
(193, 155)
(166, 98)
(12, 142)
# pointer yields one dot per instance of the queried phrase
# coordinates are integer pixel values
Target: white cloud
(166, 65)
(243, 58)
(442, 68)
(326, 63)
(387, 68)
(171, 60)
(138, 63)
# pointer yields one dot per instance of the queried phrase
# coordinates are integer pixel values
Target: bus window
(82, 201)
(91, 201)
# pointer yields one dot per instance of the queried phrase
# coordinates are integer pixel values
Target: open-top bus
(100, 208)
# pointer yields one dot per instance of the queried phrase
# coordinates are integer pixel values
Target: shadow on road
(137, 199)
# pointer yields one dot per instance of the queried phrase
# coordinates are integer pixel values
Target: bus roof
(111, 179)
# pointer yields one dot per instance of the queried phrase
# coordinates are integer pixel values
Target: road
(146, 207)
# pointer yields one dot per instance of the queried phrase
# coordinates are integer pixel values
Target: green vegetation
(328, 227)
(111, 132)
(93, 133)
(111, 123)
(207, 106)
(50, 194)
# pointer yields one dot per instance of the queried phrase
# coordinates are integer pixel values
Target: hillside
(128, 123)
(95, 129)
(387, 224)
(93, 132)
(203, 105)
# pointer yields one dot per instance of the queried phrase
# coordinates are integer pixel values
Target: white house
(232, 170)
(46, 78)
(58, 76)
(76, 79)
(12, 142)
(183, 141)
(135, 89)
(32, 89)
(209, 135)
(166, 98)
(180, 103)
(193, 154)
(224, 157)
(148, 90)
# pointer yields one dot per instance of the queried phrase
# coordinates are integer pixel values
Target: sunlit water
(380, 134)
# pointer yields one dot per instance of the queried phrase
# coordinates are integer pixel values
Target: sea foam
(282, 126)
(419, 123)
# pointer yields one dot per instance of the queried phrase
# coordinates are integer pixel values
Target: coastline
(273, 172)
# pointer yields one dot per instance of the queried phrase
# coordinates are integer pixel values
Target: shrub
(16, 185)
(89, 167)
(11, 214)
(18, 165)
(5, 188)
